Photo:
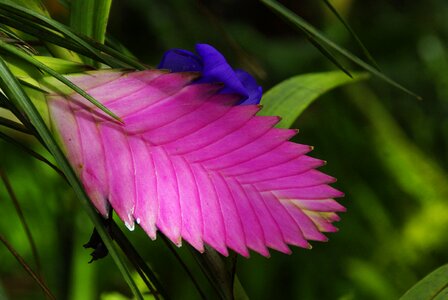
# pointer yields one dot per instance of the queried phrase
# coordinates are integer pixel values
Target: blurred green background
(387, 149)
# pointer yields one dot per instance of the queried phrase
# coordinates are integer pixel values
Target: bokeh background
(387, 149)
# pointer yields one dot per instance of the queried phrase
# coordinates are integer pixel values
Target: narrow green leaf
(34, 5)
(101, 18)
(119, 56)
(30, 271)
(14, 125)
(238, 290)
(20, 214)
(353, 34)
(303, 25)
(433, 287)
(43, 33)
(170, 246)
(4, 102)
(11, 12)
(62, 66)
(19, 11)
(30, 59)
(82, 16)
(14, 91)
(327, 54)
(291, 97)
(140, 265)
(52, 37)
(34, 154)
(89, 17)
(119, 47)
(219, 270)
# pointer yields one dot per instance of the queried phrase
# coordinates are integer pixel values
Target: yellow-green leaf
(433, 287)
(291, 97)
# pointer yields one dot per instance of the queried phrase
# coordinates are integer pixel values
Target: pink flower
(191, 163)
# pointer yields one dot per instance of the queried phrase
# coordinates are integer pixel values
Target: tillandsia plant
(191, 157)
(185, 149)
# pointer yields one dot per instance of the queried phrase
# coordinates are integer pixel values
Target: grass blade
(14, 9)
(27, 268)
(14, 125)
(139, 263)
(19, 211)
(301, 24)
(89, 17)
(34, 154)
(327, 54)
(4, 102)
(219, 270)
(14, 91)
(82, 15)
(101, 18)
(16, 52)
(184, 266)
(54, 38)
(62, 66)
(25, 20)
(353, 34)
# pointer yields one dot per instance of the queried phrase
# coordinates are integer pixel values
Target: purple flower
(214, 68)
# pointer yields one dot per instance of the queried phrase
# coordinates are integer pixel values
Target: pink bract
(188, 162)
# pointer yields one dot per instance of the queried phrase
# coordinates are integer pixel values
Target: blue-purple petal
(214, 68)
(250, 84)
(179, 60)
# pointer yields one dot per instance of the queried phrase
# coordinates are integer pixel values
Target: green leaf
(303, 25)
(89, 17)
(219, 270)
(433, 287)
(13, 125)
(327, 54)
(30, 59)
(102, 8)
(142, 268)
(19, 210)
(62, 66)
(54, 32)
(31, 152)
(34, 5)
(353, 34)
(13, 9)
(184, 266)
(33, 274)
(14, 92)
(38, 7)
(291, 97)
(82, 16)
(5, 103)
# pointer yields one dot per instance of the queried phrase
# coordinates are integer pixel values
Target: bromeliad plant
(183, 149)
(191, 158)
